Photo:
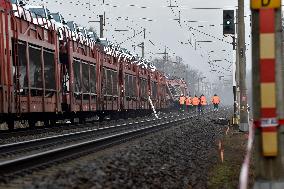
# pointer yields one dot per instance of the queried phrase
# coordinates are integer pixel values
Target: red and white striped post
(268, 88)
(268, 121)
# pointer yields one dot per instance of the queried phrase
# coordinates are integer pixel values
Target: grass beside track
(225, 175)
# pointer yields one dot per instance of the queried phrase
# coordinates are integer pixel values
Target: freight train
(50, 73)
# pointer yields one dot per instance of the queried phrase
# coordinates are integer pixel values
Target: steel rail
(14, 150)
(36, 143)
(10, 167)
(38, 130)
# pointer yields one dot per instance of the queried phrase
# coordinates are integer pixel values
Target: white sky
(163, 30)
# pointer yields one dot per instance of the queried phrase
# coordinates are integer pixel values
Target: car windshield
(103, 42)
(71, 26)
(56, 17)
(38, 12)
(13, 1)
(95, 36)
(82, 31)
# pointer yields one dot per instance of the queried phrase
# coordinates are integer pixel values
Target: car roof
(34, 6)
(56, 13)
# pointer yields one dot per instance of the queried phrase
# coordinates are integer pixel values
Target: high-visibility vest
(203, 100)
(188, 101)
(182, 100)
(195, 101)
(215, 100)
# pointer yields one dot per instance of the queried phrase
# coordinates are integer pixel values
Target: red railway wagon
(164, 95)
(155, 85)
(6, 83)
(110, 82)
(144, 89)
(79, 73)
(97, 83)
(46, 79)
(130, 86)
(29, 68)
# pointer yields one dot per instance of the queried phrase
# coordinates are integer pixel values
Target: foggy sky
(163, 30)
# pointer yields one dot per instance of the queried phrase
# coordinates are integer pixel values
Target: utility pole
(142, 46)
(200, 84)
(143, 49)
(236, 87)
(178, 67)
(268, 93)
(236, 84)
(242, 66)
(186, 73)
(165, 58)
(102, 24)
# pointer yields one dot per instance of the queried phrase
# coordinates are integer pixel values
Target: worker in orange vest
(182, 100)
(188, 103)
(216, 101)
(195, 102)
(203, 100)
(203, 103)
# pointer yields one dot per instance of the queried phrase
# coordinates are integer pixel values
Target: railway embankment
(184, 156)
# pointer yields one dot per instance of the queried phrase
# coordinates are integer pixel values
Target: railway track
(20, 132)
(19, 135)
(13, 150)
(23, 156)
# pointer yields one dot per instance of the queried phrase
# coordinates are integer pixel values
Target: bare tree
(178, 69)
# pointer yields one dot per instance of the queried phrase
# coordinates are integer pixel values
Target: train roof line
(80, 38)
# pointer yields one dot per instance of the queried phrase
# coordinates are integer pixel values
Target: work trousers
(182, 107)
(195, 108)
(200, 109)
(216, 107)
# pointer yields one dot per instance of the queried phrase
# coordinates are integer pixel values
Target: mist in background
(164, 32)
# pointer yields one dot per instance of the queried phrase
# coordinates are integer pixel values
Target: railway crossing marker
(268, 93)
(258, 4)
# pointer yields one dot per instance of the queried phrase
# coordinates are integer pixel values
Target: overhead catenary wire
(209, 35)
(90, 5)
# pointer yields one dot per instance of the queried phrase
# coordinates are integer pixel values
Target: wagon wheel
(11, 124)
(32, 123)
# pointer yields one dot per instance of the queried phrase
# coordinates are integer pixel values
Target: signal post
(268, 93)
(229, 29)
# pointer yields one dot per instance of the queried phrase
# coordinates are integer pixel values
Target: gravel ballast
(180, 157)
